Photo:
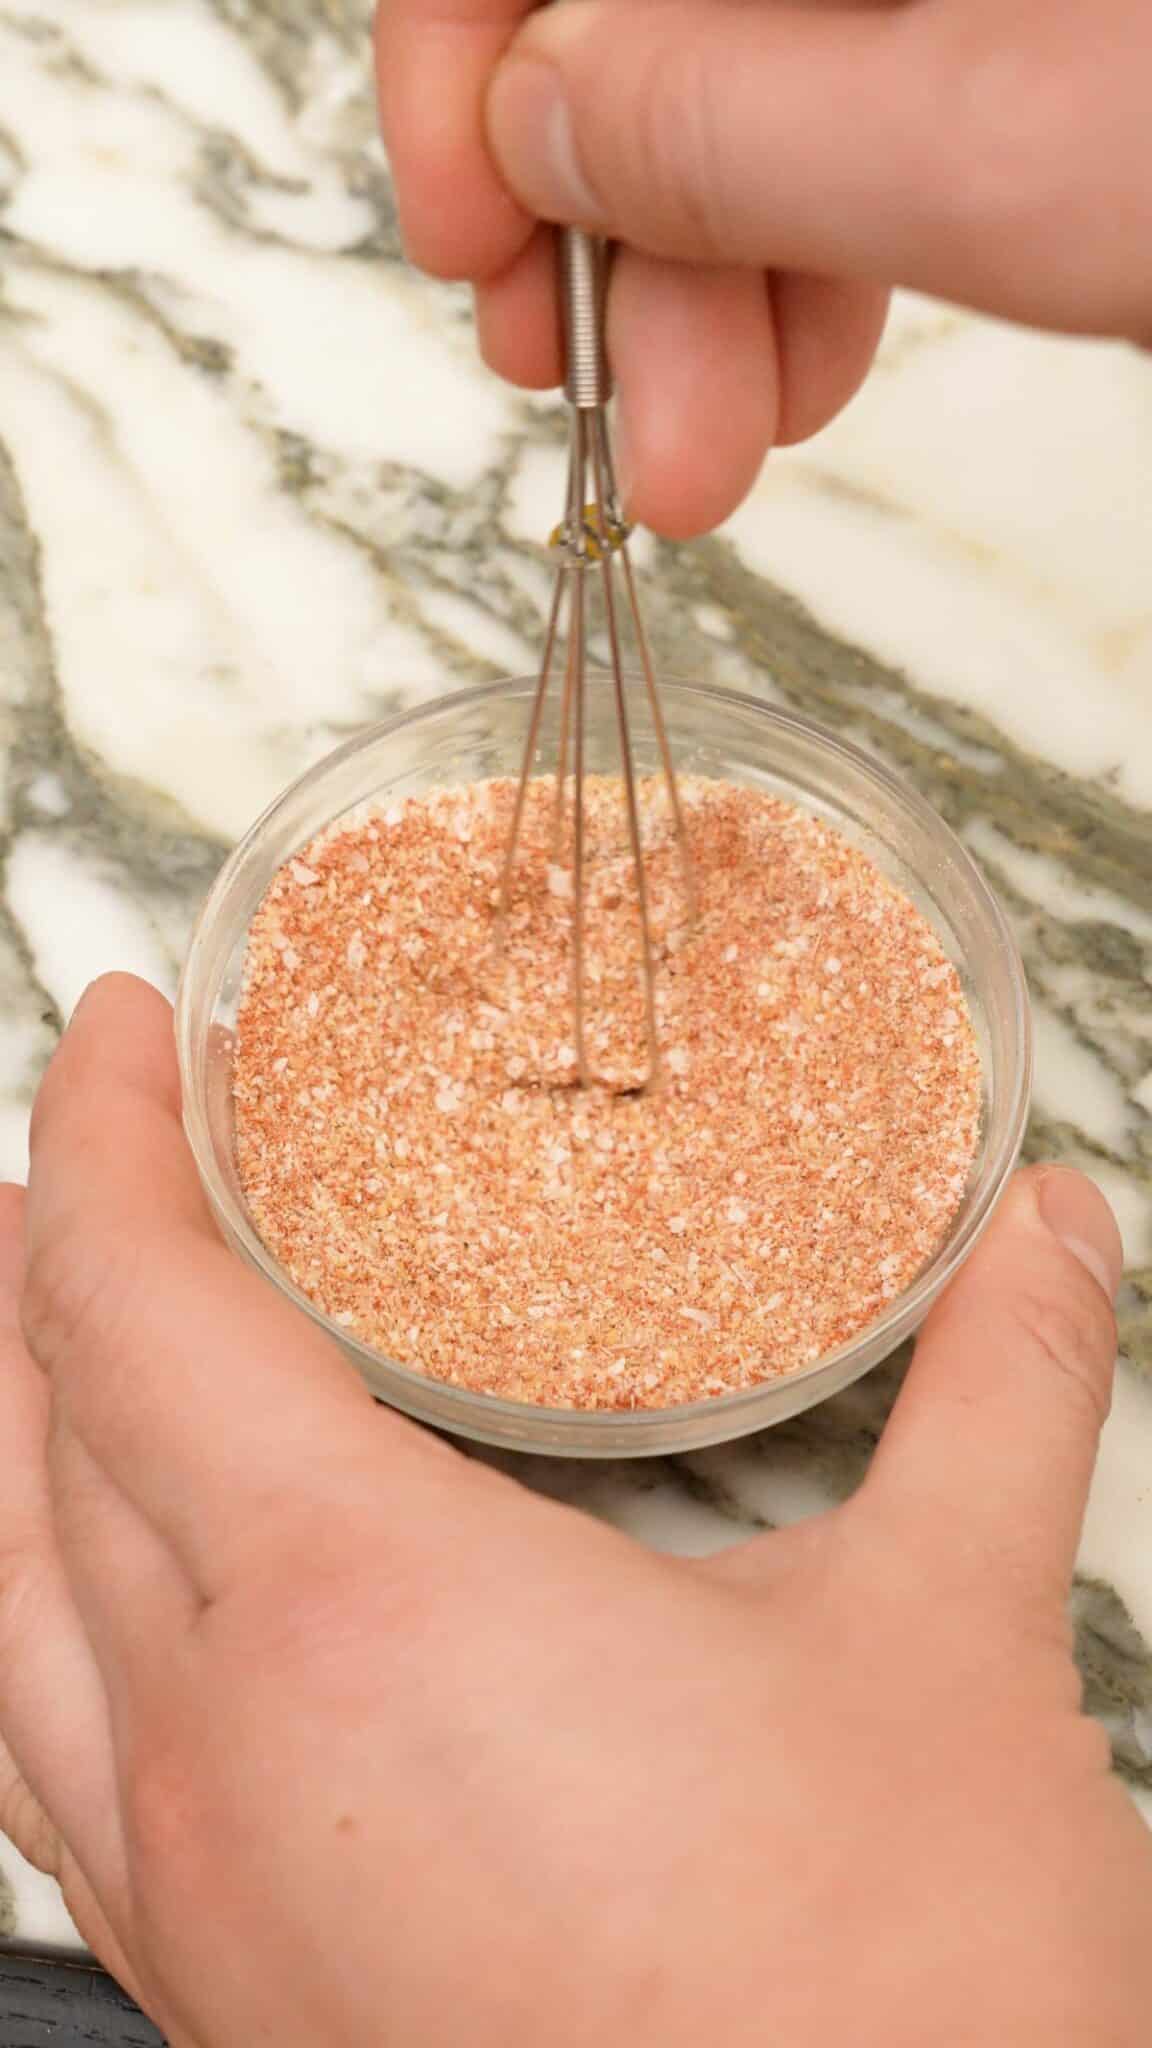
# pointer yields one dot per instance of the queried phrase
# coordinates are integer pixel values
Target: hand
(991, 153)
(334, 1735)
(714, 362)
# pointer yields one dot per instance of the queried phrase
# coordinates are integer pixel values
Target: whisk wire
(627, 765)
(577, 678)
(593, 531)
(531, 743)
(656, 711)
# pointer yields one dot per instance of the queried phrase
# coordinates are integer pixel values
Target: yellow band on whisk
(600, 536)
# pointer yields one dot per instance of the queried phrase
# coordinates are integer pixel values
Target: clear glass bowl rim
(612, 1433)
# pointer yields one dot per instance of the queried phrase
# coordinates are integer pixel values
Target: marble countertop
(255, 489)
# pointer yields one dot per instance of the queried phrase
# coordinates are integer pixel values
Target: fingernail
(530, 124)
(1076, 1212)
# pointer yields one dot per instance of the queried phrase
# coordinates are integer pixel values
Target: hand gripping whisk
(593, 535)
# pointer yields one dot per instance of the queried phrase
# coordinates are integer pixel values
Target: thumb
(992, 1443)
(911, 145)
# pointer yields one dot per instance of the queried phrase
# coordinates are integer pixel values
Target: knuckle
(23, 1619)
(677, 136)
(73, 1292)
(1074, 1333)
(24, 1822)
(1021, 183)
(21, 1598)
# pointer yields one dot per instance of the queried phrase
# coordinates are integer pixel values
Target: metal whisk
(593, 534)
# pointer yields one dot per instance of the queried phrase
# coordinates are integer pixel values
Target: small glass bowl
(713, 732)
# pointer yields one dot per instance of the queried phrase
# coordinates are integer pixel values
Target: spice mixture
(414, 1151)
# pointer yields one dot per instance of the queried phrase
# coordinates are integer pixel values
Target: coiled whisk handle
(583, 264)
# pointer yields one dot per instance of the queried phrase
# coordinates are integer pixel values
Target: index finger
(434, 61)
(217, 1408)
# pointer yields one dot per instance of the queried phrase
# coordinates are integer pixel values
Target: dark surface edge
(47, 2002)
